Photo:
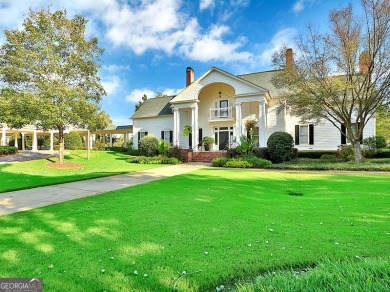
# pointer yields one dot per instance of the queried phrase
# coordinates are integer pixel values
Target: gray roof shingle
(263, 79)
(153, 107)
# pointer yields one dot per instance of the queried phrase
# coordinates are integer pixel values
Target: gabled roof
(158, 106)
(263, 79)
(181, 97)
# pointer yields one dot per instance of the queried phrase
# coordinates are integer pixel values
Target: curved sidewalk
(23, 200)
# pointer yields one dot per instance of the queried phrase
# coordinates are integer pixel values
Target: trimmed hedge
(383, 153)
(280, 147)
(315, 154)
(7, 150)
(153, 160)
(250, 162)
(148, 146)
(73, 141)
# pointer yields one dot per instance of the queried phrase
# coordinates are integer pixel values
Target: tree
(382, 123)
(341, 76)
(49, 71)
(99, 120)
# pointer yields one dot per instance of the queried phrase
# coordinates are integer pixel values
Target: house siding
(153, 126)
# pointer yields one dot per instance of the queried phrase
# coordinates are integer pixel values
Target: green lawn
(219, 226)
(34, 173)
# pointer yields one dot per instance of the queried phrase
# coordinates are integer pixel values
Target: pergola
(31, 130)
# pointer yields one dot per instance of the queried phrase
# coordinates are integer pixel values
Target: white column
(35, 141)
(3, 136)
(262, 125)
(93, 140)
(176, 127)
(51, 141)
(195, 128)
(16, 139)
(110, 139)
(238, 122)
(23, 142)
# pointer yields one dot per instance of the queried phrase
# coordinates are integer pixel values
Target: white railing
(221, 113)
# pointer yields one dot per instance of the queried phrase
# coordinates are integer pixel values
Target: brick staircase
(206, 156)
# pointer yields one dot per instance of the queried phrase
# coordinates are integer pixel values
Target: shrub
(280, 145)
(7, 150)
(315, 154)
(295, 153)
(133, 152)
(163, 147)
(345, 153)
(99, 145)
(383, 153)
(261, 152)
(153, 160)
(220, 161)
(329, 158)
(176, 152)
(231, 153)
(236, 163)
(148, 146)
(380, 142)
(258, 162)
(369, 147)
(72, 141)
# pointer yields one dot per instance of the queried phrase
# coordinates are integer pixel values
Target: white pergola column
(262, 125)
(176, 127)
(3, 136)
(195, 128)
(93, 140)
(16, 139)
(51, 141)
(23, 142)
(110, 139)
(238, 122)
(35, 141)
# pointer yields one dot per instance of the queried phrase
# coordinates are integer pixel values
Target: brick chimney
(189, 76)
(289, 59)
(364, 62)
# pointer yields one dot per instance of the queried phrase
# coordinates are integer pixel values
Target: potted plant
(187, 130)
(207, 142)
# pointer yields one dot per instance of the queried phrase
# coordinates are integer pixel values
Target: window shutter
(139, 136)
(146, 133)
(343, 135)
(190, 140)
(200, 135)
(162, 135)
(311, 134)
(296, 134)
(170, 136)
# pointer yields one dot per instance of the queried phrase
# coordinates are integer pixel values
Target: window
(344, 136)
(142, 134)
(223, 105)
(304, 134)
(167, 135)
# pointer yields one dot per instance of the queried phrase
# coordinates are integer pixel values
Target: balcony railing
(221, 113)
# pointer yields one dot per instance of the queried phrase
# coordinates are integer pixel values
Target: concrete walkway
(23, 200)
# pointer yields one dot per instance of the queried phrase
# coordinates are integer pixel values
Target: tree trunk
(357, 152)
(61, 141)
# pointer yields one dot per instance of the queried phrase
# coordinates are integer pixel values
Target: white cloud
(111, 84)
(115, 68)
(205, 4)
(298, 6)
(136, 94)
(282, 37)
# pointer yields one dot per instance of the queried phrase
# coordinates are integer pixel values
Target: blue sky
(149, 44)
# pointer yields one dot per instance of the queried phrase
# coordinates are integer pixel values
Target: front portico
(218, 105)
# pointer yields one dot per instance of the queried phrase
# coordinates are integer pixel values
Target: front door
(223, 139)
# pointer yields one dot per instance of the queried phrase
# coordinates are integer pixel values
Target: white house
(218, 104)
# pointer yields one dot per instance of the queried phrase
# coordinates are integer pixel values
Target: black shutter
(170, 136)
(200, 135)
(296, 134)
(146, 133)
(162, 135)
(190, 140)
(139, 136)
(343, 135)
(311, 134)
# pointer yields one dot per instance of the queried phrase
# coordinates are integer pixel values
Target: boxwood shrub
(153, 160)
(148, 146)
(7, 150)
(280, 147)
(249, 162)
(317, 154)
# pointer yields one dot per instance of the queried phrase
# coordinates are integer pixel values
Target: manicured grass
(217, 225)
(378, 164)
(34, 173)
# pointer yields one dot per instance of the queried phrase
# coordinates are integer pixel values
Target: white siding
(276, 121)
(153, 126)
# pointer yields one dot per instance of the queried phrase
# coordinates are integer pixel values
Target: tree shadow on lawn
(162, 228)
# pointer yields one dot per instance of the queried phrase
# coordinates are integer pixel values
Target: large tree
(49, 72)
(342, 75)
